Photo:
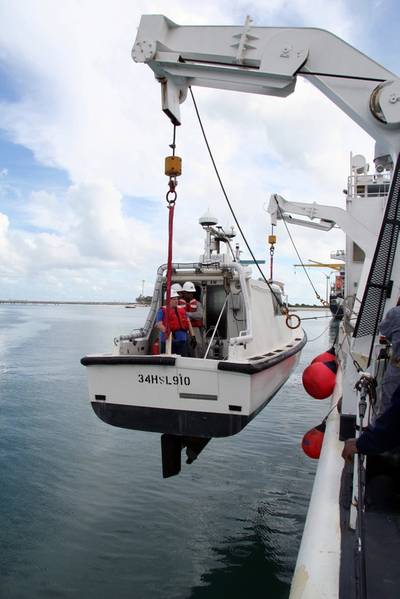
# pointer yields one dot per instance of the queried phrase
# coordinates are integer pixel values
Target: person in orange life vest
(179, 324)
(194, 311)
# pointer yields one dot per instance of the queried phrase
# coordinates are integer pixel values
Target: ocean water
(84, 511)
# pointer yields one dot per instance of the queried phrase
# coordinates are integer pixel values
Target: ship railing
(349, 313)
(368, 186)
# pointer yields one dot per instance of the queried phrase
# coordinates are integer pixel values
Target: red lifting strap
(171, 208)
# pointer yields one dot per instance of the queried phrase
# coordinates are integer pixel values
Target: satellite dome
(208, 220)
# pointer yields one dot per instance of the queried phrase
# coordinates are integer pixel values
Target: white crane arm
(328, 216)
(267, 60)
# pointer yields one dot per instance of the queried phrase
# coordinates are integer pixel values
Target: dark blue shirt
(385, 433)
(390, 327)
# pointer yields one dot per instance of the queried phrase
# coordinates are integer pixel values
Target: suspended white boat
(250, 353)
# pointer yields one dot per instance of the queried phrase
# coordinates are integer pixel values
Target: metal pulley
(384, 103)
(173, 166)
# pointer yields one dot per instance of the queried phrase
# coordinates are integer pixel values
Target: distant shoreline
(308, 308)
(130, 304)
(78, 303)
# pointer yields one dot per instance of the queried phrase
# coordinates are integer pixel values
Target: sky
(83, 139)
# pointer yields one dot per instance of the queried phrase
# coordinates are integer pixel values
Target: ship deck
(382, 532)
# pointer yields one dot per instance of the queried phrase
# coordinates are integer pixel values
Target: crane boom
(333, 266)
(267, 60)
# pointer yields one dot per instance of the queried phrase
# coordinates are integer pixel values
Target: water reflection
(245, 566)
(84, 511)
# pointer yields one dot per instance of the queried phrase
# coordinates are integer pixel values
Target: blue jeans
(178, 347)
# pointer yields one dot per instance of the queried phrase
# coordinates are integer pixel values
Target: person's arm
(159, 321)
(386, 326)
(384, 435)
(190, 328)
(349, 449)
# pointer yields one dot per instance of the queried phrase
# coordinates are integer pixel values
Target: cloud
(83, 106)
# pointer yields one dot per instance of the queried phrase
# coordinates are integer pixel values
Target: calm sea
(84, 511)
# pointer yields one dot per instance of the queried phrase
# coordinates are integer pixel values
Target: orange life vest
(178, 321)
(191, 307)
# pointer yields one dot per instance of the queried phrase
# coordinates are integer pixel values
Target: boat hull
(184, 396)
(174, 422)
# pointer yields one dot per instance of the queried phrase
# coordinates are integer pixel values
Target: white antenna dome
(359, 164)
(208, 220)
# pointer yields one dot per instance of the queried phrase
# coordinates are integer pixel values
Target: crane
(334, 266)
(268, 60)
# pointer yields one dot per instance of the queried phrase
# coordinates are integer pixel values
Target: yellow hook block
(272, 239)
(173, 166)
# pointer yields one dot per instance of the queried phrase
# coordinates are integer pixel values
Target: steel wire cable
(298, 255)
(279, 301)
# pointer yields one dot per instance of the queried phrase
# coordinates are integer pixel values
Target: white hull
(316, 575)
(189, 396)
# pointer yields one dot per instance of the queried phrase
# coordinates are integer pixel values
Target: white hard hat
(188, 286)
(176, 287)
(173, 294)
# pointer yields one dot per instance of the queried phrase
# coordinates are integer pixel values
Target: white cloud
(85, 107)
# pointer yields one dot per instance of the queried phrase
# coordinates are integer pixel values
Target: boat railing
(246, 335)
(216, 327)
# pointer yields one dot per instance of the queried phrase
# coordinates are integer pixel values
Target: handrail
(244, 336)
(247, 335)
(216, 327)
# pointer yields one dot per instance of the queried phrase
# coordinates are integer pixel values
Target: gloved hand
(193, 342)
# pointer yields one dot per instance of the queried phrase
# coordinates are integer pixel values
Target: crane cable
(277, 298)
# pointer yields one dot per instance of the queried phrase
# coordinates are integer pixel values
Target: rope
(315, 338)
(171, 199)
(277, 298)
(171, 208)
(316, 317)
(331, 410)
